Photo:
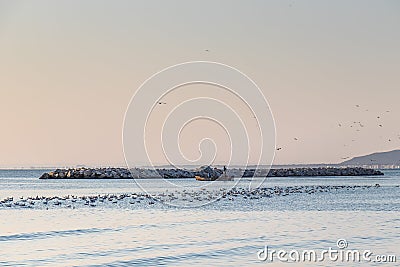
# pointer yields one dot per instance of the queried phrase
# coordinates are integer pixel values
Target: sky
(68, 70)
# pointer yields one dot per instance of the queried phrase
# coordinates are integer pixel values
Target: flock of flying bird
(357, 125)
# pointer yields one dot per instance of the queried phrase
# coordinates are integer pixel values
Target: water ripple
(42, 235)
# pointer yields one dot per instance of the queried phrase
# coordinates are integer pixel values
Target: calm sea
(223, 233)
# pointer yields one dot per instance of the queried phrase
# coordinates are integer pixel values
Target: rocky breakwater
(323, 171)
(122, 173)
(303, 172)
(88, 173)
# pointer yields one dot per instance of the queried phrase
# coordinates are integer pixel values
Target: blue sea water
(222, 233)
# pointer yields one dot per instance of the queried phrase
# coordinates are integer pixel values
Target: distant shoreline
(378, 160)
(287, 166)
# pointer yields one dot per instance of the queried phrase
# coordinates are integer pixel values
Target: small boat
(223, 177)
(199, 178)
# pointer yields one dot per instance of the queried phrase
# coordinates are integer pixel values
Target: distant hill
(382, 158)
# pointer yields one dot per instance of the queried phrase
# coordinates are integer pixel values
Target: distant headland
(390, 159)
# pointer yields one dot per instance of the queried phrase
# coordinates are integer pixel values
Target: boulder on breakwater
(122, 173)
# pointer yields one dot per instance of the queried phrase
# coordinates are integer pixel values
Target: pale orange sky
(69, 68)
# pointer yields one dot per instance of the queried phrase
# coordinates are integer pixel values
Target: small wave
(222, 255)
(42, 235)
